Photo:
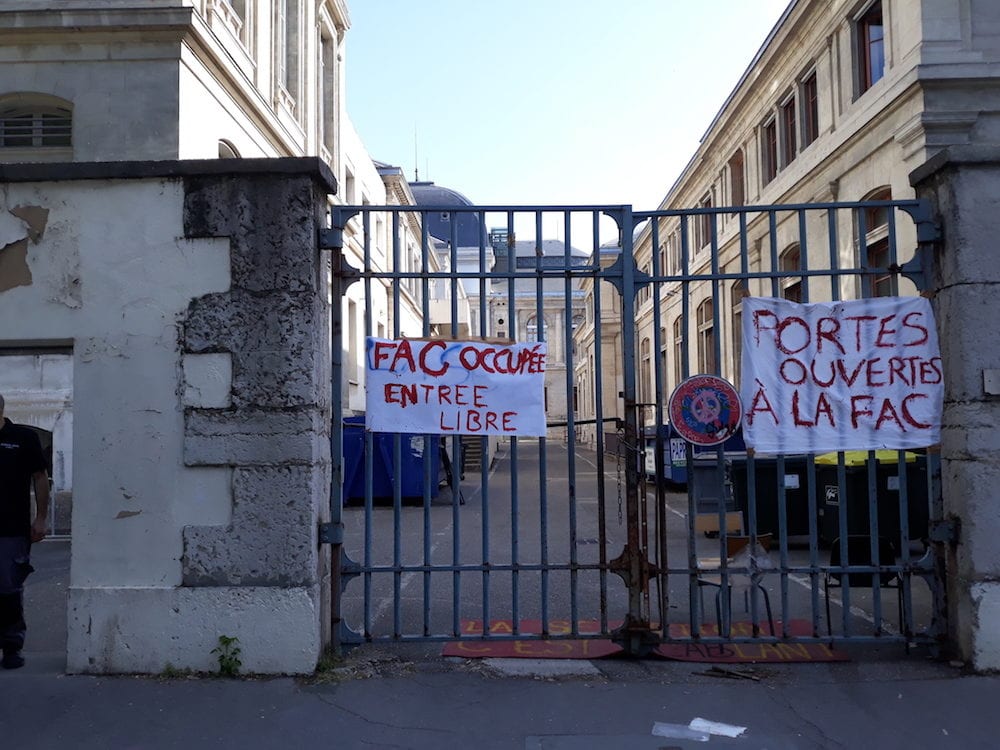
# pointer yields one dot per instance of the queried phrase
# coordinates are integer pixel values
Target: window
(870, 40)
(645, 392)
(703, 223)
(350, 187)
(674, 253)
(810, 110)
(678, 351)
(663, 363)
(791, 287)
(768, 151)
(327, 100)
(645, 292)
(288, 57)
(706, 337)
(882, 283)
(36, 126)
(737, 194)
(352, 342)
(532, 332)
(788, 143)
(737, 293)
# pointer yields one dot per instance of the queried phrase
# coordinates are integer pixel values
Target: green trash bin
(855, 495)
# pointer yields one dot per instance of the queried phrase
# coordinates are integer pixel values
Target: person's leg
(14, 568)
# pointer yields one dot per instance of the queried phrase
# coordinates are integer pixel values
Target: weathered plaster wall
(961, 182)
(195, 309)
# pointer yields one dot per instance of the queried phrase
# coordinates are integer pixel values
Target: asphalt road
(558, 531)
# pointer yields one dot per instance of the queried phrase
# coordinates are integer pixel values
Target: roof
(469, 230)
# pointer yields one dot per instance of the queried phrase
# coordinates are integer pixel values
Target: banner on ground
(831, 376)
(455, 387)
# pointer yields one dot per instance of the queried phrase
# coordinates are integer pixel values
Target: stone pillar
(962, 183)
(270, 332)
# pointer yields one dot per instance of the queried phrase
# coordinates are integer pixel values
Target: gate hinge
(947, 531)
(331, 533)
(918, 268)
(331, 239)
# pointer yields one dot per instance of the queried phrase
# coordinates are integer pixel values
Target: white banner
(455, 387)
(831, 376)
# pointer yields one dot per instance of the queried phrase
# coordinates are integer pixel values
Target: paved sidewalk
(408, 697)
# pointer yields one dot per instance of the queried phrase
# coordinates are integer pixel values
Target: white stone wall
(114, 284)
(169, 470)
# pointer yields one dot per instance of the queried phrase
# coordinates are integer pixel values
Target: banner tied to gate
(832, 376)
(455, 387)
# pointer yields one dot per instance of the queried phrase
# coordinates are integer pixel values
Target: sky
(554, 102)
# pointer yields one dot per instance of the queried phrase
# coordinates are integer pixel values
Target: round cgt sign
(705, 410)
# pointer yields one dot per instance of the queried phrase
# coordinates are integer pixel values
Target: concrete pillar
(961, 182)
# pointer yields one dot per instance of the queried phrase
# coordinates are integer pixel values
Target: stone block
(985, 642)
(964, 316)
(251, 437)
(208, 380)
(272, 224)
(978, 555)
(271, 540)
(274, 341)
(968, 430)
(143, 630)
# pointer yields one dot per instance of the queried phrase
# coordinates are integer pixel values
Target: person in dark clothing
(22, 464)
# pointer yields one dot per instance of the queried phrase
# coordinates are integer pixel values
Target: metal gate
(608, 526)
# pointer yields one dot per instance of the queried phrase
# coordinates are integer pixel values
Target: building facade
(173, 82)
(842, 102)
(541, 309)
(847, 101)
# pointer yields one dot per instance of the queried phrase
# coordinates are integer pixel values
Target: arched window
(227, 150)
(531, 329)
(35, 121)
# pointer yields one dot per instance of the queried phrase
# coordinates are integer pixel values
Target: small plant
(228, 653)
(328, 662)
(170, 672)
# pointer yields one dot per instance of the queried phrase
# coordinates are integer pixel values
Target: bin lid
(859, 458)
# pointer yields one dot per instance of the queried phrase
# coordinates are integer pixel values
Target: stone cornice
(32, 26)
(144, 170)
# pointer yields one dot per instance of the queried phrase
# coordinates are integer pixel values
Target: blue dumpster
(675, 468)
(674, 454)
(410, 473)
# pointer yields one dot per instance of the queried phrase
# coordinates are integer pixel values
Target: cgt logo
(832, 495)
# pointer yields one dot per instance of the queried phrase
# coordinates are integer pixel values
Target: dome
(470, 230)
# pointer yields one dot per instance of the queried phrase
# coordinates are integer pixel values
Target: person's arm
(39, 528)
